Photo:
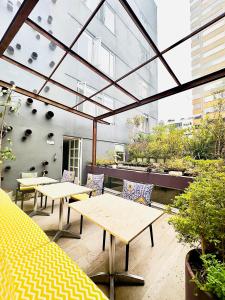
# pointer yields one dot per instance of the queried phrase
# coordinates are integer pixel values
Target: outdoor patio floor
(162, 266)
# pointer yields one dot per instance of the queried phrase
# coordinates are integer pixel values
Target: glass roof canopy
(75, 68)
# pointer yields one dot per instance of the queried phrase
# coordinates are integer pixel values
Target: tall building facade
(208, 55)
(111, 43)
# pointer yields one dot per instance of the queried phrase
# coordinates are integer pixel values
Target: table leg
(35, 211)
(62, 231)
(113, 278)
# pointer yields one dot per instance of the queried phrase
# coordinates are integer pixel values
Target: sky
(173, 24)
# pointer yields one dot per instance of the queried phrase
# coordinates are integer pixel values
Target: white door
(75, 158)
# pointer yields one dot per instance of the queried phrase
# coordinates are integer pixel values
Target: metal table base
(35, 211)
(62, 231)
(113, 278)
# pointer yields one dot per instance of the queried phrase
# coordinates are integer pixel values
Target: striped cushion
(48, 273)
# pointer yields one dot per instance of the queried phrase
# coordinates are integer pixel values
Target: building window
(85, 46)
(106, 61)
(108, 18)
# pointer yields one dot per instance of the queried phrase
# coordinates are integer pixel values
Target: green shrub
(213, 279)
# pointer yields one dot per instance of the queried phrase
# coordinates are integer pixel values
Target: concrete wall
(35, 149)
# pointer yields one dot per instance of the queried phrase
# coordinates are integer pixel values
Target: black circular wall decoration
(45, 172)
(10, 50)
(38, 36)
(46, 89)
(32, 168)
(54, 1)
(45, 163)
(34, 55)
(50, 32)
(29, 101)
(50, 135)
(9, 128)
(18, 46)
(39, 18)
(35, 91)
(34, 111)
(23, 138)
(49, 20)
(12, 82)
(51, 64)
(7, 168)
(30, 60)
(49, 115)
(28, 132)
(52, 46)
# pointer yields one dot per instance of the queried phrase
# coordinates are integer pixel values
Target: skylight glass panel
(175, 19)
(60, 95)
(143, 83)
(113, 98)
(112, 41)
(15, 75)
(8, 10)
(34, 50)
(77, 76)
(63, 19)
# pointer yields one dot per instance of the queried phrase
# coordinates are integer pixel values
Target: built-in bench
(33, 267)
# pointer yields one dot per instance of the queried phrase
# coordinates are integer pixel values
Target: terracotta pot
(192, 292)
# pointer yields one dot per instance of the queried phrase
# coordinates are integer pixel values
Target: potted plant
(200, 222)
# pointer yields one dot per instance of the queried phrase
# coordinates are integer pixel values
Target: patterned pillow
(68, 176)
(95, 182)
(137, 192)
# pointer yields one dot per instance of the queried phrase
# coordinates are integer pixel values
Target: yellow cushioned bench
(32, 267)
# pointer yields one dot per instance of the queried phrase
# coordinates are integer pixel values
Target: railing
(161, 180)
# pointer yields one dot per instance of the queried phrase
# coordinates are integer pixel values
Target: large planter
(192, 292)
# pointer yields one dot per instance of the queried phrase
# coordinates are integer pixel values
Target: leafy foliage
(201, 212)
(213, 279)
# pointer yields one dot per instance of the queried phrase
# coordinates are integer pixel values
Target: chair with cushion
(94, 182)
(25, 189)
(140, 193)
(68, 176)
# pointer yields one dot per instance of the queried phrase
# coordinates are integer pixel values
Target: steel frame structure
(22, 17)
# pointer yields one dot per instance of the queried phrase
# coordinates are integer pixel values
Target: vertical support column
(94, 143)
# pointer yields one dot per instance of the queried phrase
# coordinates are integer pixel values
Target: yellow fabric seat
(31, 267)
(80, 197)
(19, 234)
(26, 188)
(48, 273)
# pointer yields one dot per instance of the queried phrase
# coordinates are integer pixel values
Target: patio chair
(96, 183)
(68, 176)
(25, 189)
(140, 193)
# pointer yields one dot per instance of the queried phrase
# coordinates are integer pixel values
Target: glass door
(75, 158)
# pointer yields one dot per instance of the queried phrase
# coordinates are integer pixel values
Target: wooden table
(123, 219)
(61, 191)
(34, 181)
